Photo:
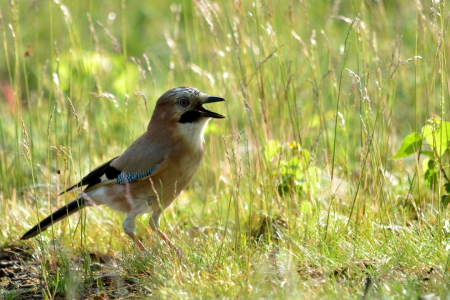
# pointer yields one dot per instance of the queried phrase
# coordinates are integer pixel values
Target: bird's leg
(168, 241)
(129, 224)
(165, 238)
(154, 224)
(137, 241)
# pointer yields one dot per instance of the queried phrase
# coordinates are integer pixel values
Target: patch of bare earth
(21, 278)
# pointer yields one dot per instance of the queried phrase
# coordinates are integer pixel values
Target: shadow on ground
(21, 277)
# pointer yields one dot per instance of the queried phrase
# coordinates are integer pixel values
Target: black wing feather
(94, 176)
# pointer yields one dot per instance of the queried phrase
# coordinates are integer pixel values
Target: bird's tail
(57, 216)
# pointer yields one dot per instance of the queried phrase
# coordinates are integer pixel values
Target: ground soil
(21, 278)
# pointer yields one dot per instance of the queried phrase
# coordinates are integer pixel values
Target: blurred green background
(281, 65)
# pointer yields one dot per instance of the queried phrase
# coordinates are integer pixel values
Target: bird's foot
(172, 245)
(138, 242)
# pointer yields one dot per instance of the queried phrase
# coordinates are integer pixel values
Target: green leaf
(447, 187)
(293, 167)
(410, 145)
(290, 184)
(430, 154)
(429, 129)
(437, 134)
(431, 173)
(442, 138)
(445, 199)
(427, 164)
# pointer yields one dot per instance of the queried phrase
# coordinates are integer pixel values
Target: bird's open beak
(208, 113)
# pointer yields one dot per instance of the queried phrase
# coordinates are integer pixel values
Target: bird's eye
(184, 102)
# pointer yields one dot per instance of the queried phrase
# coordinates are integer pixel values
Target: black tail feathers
(63, 212)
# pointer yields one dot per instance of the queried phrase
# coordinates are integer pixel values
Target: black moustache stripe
(191, 116)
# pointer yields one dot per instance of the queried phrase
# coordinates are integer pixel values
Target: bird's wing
(95, 176)
(138, 162)
(106, 174)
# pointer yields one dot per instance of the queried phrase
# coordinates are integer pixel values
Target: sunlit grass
(319, 97)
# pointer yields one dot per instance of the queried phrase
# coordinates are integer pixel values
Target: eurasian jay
(153, 171)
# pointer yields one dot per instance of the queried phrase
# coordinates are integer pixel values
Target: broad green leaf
(297, 165)
(431, 173)
(429, 129)
(430, 154)
(437, 134)
(431, 177)
(427, 164)
(410, 145)
(290, 184)
(442, 138)
(445, 199)
(293, 167)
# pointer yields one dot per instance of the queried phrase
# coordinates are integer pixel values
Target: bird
(153, 171)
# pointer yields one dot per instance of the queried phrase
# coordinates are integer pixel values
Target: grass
(296, 197)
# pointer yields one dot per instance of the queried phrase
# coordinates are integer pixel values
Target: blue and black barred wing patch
(123, 178)
(106, 174)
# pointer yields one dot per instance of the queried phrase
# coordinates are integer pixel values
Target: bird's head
(185, 105)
